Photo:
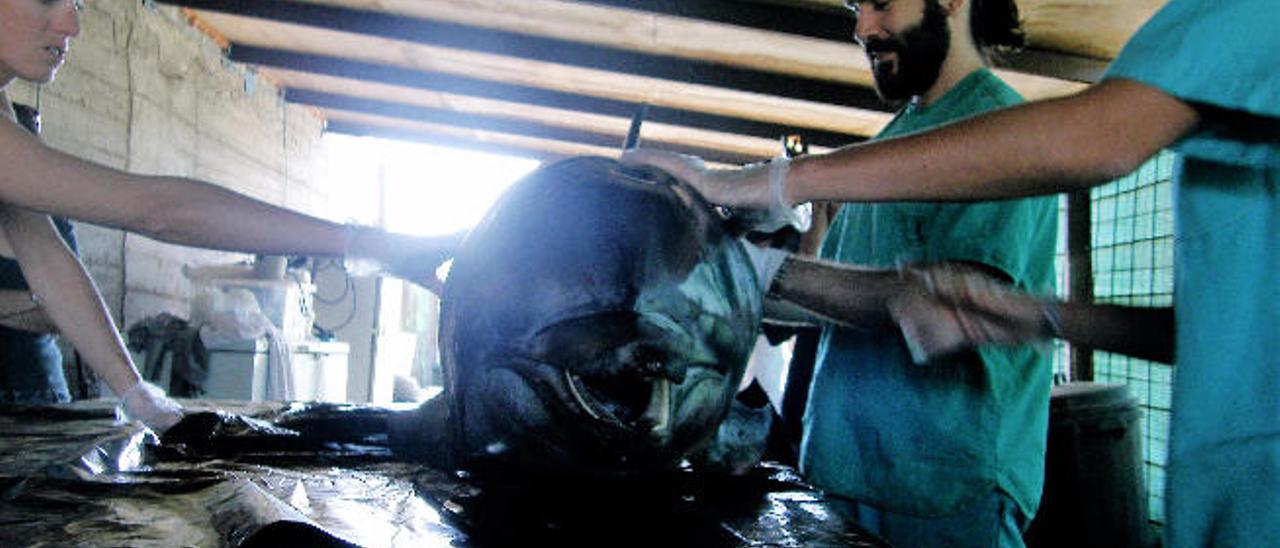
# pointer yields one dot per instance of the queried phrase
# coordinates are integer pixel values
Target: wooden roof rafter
(723, 78)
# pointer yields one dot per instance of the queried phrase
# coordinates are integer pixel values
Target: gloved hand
(756, 192)
(148, 404)
(766, 261)
(415, 258)
(952, 309)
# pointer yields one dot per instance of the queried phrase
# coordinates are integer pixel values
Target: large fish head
(596, 321)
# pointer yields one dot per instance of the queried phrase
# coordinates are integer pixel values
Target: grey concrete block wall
(144, 91)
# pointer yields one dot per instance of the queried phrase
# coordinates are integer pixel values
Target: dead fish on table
(596, 322)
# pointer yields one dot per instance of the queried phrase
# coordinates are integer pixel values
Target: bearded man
(950, 453)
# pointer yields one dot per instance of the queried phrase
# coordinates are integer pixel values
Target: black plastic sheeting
(70, 476)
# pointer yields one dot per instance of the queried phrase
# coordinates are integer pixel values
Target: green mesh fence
(1133, 265)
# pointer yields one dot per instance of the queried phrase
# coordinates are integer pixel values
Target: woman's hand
(148, 404)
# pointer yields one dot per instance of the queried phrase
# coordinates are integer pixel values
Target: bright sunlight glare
(424, 189)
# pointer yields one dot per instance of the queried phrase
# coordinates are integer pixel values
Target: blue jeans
(30, 369)
(991, 521)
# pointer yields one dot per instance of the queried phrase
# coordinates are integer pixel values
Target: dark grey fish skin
(597, 322)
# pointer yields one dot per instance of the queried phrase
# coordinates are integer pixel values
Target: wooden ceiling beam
(614, 128)
(377, 75)
(552, 76)
(1057, 49)
(794, 67)
(445, 117)
(489, 124)
(743, 42)
(338, 124)
(782, 46)
(1088, 28)
(723, 78)
(833, 71)
(357, 123)
(1094, 29)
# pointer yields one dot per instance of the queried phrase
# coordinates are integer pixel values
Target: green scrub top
(927, 440)
(1223, 476)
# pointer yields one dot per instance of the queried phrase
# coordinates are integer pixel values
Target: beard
(920, 52)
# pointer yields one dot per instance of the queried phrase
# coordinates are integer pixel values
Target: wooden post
(1080, 272)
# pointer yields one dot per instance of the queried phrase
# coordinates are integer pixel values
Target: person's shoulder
(992, 91)
(978, 92)
(1184, 51)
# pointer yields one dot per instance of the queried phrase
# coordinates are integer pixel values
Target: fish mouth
(639, 406)
(640, 374)
(656, 414)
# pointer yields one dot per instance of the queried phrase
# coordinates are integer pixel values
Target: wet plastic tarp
(69, 476)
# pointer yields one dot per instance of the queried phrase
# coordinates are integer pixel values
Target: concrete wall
(145, 92)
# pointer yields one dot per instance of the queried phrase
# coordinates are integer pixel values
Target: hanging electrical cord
(349, 288)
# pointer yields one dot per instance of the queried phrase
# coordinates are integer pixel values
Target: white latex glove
(1022, 316)
(958, 309)
(148, 404)
(756, 192)
(766, 261)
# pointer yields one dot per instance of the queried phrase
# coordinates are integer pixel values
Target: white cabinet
(238, 371)
(242, 371)
(320, 371)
